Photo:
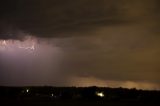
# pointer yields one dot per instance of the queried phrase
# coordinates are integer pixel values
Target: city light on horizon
(100, 94)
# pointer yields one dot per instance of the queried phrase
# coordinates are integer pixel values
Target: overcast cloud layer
(115, 42)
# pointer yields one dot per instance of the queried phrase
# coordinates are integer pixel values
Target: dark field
(72, 96)
(76, 103)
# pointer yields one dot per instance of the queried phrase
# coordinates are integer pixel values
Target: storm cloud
(59, 18)
(105, 40)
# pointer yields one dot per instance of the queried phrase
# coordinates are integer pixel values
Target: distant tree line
(47, 93)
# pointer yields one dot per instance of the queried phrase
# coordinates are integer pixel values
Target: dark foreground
(76, 103)
(72, 96)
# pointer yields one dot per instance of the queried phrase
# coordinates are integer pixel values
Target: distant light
(27, 90)
(100, 94)
(52, 94)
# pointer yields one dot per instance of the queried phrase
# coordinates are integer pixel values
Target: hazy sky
(80, 43)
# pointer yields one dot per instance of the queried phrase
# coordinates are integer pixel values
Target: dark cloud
(59, 18)
(129, 53)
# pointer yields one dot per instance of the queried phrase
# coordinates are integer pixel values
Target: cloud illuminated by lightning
(27, 44)
(32, 47)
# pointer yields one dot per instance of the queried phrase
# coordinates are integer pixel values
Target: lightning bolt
(30, 48)
(27, 45)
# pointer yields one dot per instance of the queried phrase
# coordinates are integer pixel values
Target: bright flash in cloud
(30, 57)
(4, 43)
(29, 48)
(28, 44)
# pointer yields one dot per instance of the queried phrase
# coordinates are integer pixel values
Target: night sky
(109, 43)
